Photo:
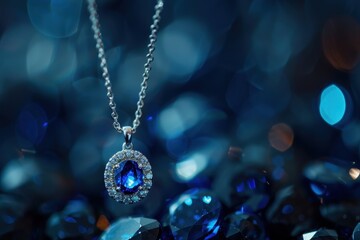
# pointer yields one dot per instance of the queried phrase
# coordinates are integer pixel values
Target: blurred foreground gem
(328, 179)
(244, 226)
(356, 233)
(195, 215)
(320, 234)
(10, 211)
(345, 214)
(75, 221)
(133, 229)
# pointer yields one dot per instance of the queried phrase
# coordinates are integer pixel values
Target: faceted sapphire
(129, 177)
(196, 214)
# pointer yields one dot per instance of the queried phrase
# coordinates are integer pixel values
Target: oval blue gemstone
(129, 177)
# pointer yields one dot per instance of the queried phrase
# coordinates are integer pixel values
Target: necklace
(128, 175)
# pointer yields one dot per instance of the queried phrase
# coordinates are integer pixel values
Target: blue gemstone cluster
(129, 177)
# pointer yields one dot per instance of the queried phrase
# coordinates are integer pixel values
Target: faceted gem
(75, 221)
(356, 233)
(236, 184)
(195, 215)
(133, 229)
(244, 226)
(320, 234)
(129, 177)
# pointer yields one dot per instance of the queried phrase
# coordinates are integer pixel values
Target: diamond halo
(113, 165)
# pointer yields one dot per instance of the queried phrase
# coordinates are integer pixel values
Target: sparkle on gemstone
(129, 177)
(143, 193)
(135, 198)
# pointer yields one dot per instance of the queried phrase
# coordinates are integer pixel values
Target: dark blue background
(240, 91)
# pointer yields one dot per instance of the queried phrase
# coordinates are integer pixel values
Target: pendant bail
(128, 131)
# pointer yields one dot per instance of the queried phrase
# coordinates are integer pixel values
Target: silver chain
(94, 17)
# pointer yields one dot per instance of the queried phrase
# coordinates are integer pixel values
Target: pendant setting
(128, 176)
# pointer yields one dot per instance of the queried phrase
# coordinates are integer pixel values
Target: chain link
(94, 18)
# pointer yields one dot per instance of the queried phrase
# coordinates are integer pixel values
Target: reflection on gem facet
(320, 234)
(129, 177)
(133, 229)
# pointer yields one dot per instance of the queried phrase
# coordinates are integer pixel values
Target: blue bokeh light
(183, 114)
(39, 56)
(189, 168)
(55, 18)
(192, 43)
(332, 104)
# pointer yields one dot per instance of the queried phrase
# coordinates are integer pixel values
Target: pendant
(128, 175)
